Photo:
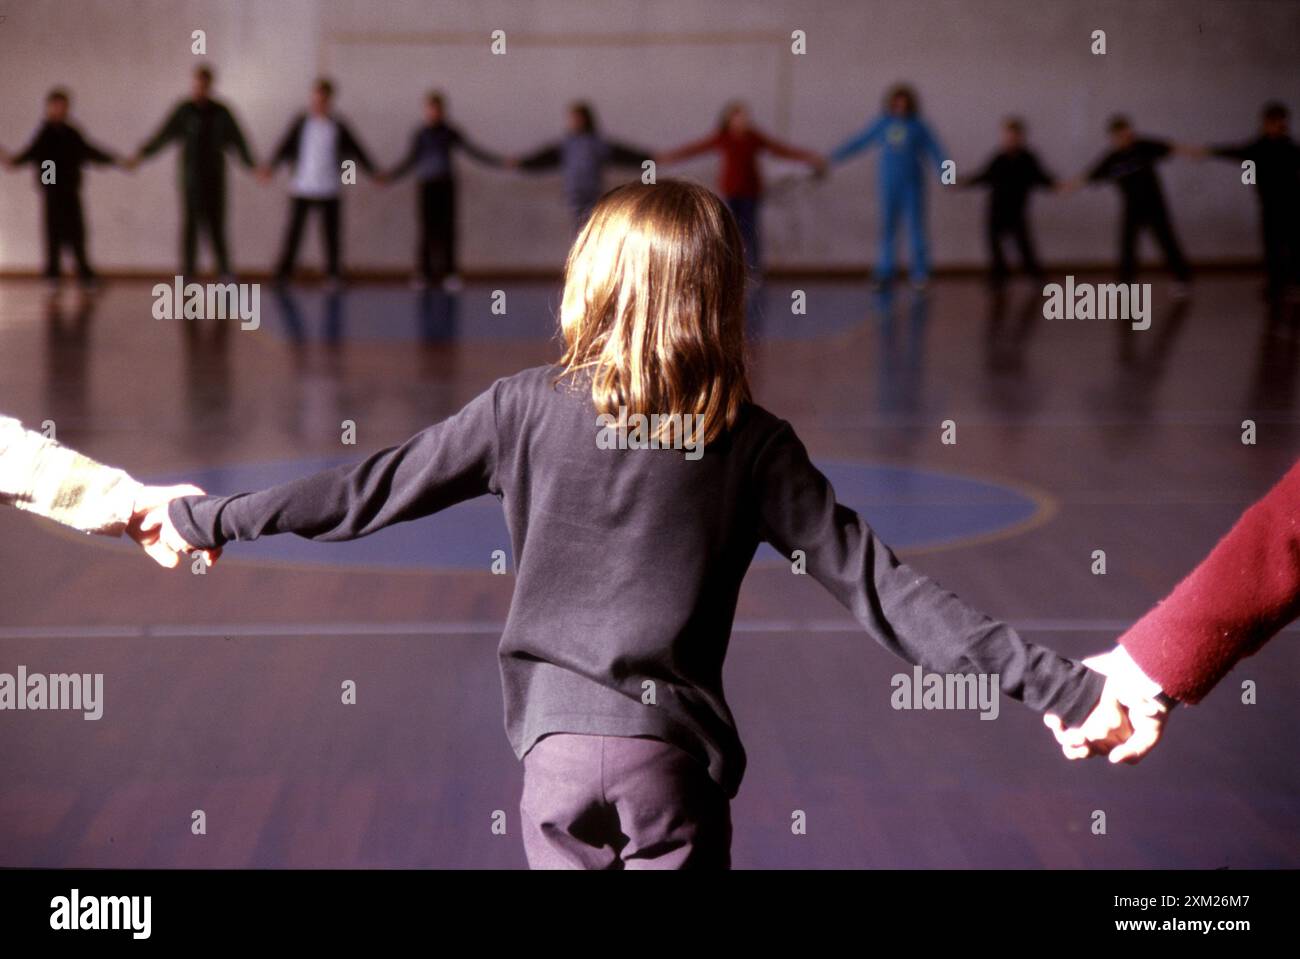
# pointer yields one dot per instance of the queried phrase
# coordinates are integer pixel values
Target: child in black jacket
(58, 151)
(1011, 175)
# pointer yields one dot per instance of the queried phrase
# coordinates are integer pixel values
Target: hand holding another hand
(1125, 724)
(152, 529)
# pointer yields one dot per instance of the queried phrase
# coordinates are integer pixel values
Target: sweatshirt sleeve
(1041, 176)
(907, 613)
(287, 151)
(1241, 594)
(546, 158)
(866, 137)
(486, 157)
(34, 150)
(445, 464)
(40, 476)
(170, 130)
(350, 146)
(94, 154)
(623, 154)
(1100, 170)
(695, 148)
(782, 149)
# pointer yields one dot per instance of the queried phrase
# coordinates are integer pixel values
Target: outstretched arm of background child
(860, 141)
(623, 154)
(447, 463)
(983, 178)
(407, 163)
(789, 152)
(95, 154)
(1230, 151)
(171, 129)
(901, 609)
(545, 158)
(27, 154)
(688, 150)
(481, 154)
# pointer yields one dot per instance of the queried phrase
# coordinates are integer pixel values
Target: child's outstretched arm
(43, 477)
(1244, 592)
(1241, 595)
(447, 463)
(903, 610)
(864, 138)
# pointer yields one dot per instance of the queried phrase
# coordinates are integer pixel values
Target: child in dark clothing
(631, 553)
(206, 131)
(1277, 185)
(1011, 175)
(582, 157)
(58, 151)
(1131, 165)
(430, 156)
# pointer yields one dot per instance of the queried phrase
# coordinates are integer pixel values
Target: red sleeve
(1246, 590)
(695, 148)
(781, 149)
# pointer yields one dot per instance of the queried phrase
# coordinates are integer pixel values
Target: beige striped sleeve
(40, 476)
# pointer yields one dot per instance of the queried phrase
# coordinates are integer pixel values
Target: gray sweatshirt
(629, 562)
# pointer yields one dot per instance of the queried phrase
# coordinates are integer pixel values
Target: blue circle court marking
(910, 509)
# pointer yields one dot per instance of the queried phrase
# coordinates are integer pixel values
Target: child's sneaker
(451, 283)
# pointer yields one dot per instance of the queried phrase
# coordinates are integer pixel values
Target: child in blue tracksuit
(905, 139)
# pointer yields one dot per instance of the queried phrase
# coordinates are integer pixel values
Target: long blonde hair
(654, 305)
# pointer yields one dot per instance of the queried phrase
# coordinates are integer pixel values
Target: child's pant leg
(890, 212)
(673, 815)
(614, 802)
(565, 820)
(919, 267)
(745, 210)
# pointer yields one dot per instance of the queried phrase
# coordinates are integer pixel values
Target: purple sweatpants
(619, 802)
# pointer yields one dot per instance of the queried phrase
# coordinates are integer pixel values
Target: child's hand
(153, 530)
(1126, 723)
